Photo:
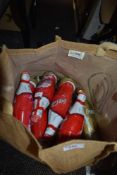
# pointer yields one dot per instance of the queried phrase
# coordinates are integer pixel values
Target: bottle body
(59, 107)
(42, 98)
(72, 126)
(23, 103)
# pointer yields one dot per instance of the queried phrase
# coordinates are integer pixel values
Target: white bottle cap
(82, 97)
(25, 76)
(50, 74)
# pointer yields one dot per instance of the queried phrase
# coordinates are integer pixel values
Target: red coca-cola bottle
(72, 126)
(45, 90)
(23, 103)
(59, 106)
(42, 98)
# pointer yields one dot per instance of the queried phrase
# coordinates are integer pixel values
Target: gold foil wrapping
(90, 124)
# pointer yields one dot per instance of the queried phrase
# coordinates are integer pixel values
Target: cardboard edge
(105, 147)
(88, 48)
(20, 127)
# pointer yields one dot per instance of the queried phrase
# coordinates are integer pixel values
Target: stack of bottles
(47, 108)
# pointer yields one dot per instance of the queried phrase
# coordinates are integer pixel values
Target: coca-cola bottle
(72, 126)
(43, 96)
(60, 105)
(23, 103)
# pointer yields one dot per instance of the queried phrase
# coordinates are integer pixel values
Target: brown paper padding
(96, 75)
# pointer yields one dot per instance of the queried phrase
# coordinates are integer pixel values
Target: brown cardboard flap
(109, 148)
(7, 83)
(13, 132)
(74, 154)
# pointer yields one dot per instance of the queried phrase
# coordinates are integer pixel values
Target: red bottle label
(39, 123)
(23, 107)
(71, 128)
(62, 99)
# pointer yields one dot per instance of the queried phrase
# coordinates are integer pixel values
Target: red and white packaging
(60, 105)
(39, 123)
(42, 98)
(72, 126)
(23, 103)
(45, 91)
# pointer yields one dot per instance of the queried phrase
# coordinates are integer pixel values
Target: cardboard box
(95, 74)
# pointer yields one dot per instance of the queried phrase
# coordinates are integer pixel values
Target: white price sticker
(74, 146)
(76, 54)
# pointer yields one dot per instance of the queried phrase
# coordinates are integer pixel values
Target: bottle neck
(25, 77)
(24, 86)
(78, 106)
(81, 98)
(51, 77)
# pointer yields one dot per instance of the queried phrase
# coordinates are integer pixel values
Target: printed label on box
(74, 146)
(76, 54)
